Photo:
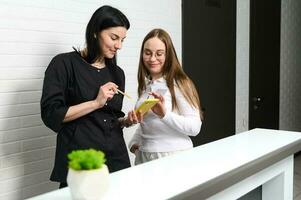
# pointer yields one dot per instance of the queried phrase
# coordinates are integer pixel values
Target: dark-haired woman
(79, 99)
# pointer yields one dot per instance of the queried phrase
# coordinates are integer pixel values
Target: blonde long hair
(172, 71)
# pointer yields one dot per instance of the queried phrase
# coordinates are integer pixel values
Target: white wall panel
(38, 143)
(10, 48)
(20, 122)
(38, 189)
(32, 37)
(24, 134)
(14, 61)
(11, 10)
(10, 123)
(19, 110)
(27, 157)
(41, 26)
(20, 85)
(242, 65)
(22, 73)
(10, 148)
(32, 121)
(13, 184)
(19, 97)
(15, 195)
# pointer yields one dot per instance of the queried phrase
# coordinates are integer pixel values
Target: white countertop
(170, 176)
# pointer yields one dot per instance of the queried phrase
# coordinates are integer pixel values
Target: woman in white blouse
(167, 127)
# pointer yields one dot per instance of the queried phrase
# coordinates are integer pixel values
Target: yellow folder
(146, 105)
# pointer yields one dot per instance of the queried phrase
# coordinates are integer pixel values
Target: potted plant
(88, 176)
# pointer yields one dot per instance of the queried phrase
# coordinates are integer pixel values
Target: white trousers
(142, 157)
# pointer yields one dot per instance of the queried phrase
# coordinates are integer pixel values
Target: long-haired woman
(166, 128)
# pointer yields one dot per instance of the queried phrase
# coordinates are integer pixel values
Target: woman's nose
(118, 45)
(153, 57)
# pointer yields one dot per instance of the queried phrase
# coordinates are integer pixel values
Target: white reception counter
(224, 169)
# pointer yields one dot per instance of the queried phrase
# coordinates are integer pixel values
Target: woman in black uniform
(80, 101)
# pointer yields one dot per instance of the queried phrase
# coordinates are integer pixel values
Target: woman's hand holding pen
(105, 93)
(159, 109)
(133, 118)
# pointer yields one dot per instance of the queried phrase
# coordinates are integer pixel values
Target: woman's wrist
(96, 104)
(124, 122)
(162, 115)
(134, 147)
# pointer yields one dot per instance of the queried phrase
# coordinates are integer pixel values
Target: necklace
(98, 65)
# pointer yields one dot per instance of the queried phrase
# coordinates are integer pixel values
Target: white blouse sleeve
(136, 139)
(188, 119)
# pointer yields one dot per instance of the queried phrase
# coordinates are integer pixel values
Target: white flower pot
(88, 184)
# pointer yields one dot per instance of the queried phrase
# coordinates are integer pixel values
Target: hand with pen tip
(105, 93)
(132, 117)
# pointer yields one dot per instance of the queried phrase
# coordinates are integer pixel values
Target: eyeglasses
(158, 55)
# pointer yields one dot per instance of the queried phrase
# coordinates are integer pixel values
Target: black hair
(103, 18)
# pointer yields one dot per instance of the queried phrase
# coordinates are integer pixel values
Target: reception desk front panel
(224, 169)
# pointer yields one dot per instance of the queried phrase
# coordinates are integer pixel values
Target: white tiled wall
(242, 65)
(31, 33)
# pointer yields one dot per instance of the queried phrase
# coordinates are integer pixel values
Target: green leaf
(86, 159)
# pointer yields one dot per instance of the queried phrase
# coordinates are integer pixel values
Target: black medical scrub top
(70, 80)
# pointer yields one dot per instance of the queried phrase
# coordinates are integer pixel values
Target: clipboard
(146, 105)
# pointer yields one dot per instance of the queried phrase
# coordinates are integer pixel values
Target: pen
(125, 94)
